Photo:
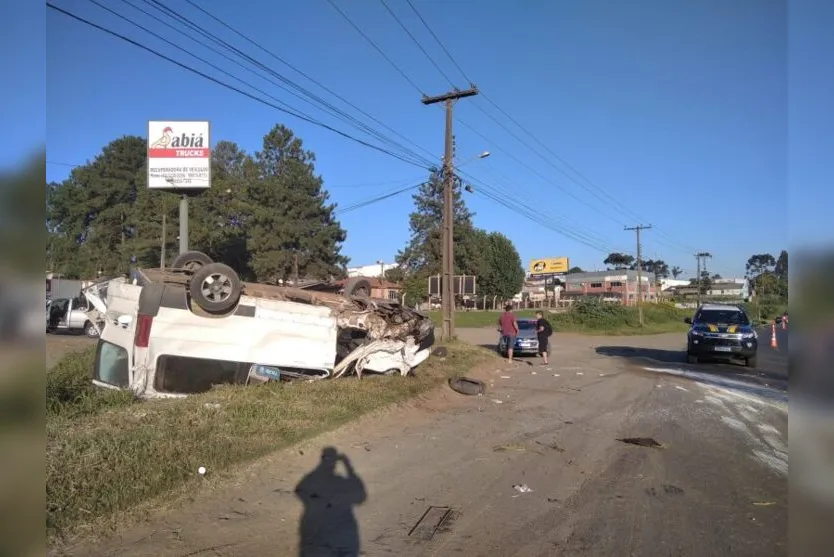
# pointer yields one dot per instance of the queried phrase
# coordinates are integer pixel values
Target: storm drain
(641, 442)
(429, 523)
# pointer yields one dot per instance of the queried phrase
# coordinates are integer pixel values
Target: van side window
(184, 375)
(112, 365)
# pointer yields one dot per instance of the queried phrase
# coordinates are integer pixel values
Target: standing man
(509, 330)
(543, 330)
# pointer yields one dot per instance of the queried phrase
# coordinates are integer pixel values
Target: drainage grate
(641, 442)
(428, 524)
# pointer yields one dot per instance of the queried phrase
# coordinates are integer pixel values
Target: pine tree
(424, 252)
(290, 215)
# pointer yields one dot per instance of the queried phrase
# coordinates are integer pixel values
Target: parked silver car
(527, 341)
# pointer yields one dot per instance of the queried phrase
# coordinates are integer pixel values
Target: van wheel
(215, 287)
(90, 330)
(191, 261)
(358, 287)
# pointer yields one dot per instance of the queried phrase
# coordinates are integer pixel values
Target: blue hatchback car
(527, 341)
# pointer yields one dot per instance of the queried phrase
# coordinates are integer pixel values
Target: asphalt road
(537, 466)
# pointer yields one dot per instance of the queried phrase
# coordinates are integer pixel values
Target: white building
(373, 270)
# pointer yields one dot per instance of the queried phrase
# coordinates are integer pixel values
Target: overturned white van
(170, 333)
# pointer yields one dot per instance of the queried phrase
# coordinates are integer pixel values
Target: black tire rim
(216, 288)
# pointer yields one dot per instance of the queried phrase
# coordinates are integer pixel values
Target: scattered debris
(505, 448)
(522, 488)
(764, 503)
(212, 405)
(440, 352)
(429, 523)
(201, 470)
(506, 377)
(534, 373)
(641, 442)
(554, 446)
(552, 500)
(497, 401)
(556, 375)
(678, 387)
(579, 373)
(569, 422)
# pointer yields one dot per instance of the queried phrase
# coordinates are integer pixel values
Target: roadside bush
(70, 391)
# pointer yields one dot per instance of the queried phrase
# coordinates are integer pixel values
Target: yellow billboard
(549, 265)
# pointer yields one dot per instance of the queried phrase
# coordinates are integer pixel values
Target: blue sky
(677, 110)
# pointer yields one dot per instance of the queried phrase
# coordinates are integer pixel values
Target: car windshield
(729, 316)
(526, 325)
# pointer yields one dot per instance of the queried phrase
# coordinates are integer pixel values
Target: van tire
(191, 261)
(215, 287)
(358, 287)
(466, 386)
(90, 330)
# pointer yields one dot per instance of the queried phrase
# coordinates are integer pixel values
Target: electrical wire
(231, 87)
(307, 76)
(377, 48)
(437, 39)
(308, 96)
(419, 45)
(376, 199)
(602, 196)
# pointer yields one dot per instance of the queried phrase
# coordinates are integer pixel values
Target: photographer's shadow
(328, 526)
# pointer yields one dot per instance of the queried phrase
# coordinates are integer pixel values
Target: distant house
(732, 290)
(619, 286)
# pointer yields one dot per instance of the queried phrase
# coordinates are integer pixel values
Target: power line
(437, 39)
(609, 198)
(376, 47)
(303, 74)
(231, 87)
(420, 46)
(316, 100)
(377, 199)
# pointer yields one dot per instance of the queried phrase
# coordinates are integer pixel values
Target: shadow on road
(764, 381)
(328, 526)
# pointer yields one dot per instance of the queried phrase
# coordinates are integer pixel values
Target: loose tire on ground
(358, 287)
(191, 260)
(467, 386)
(215, 288)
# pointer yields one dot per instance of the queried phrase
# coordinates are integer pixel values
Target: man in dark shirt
(544, 331)
(508, 326)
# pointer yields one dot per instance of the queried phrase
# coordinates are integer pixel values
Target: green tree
(92, 216)
(289, 214)
(423, 254)
(659, 268)
(395, 275)
(619, 260)
(676, 272)
(501, 271)
(575, 270)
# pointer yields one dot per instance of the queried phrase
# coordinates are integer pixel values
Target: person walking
(508, 326)
(544, 330)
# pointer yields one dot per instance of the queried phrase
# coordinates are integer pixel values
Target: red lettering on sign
(179, 153)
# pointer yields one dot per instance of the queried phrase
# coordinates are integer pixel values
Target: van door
(114, 354)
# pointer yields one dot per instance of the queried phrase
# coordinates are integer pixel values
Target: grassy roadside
(589, 318)
(107, 453)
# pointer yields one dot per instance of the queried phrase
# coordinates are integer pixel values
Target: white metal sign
(179, 155)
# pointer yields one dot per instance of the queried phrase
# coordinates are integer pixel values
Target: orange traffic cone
(773, 343)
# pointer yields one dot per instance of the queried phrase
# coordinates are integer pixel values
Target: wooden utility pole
(700, 256)
(295, 269)
(639, 228)
(446, 289)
